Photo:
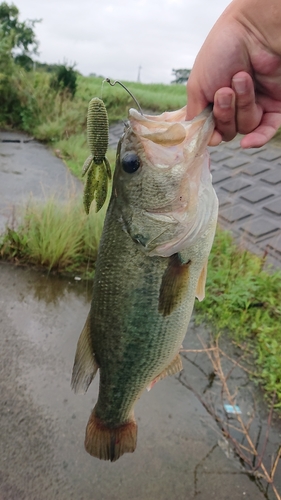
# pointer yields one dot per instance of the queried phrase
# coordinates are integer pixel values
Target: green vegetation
(57, 236)
(181, 75)
(21, 35)
(244, 301)
(64, 79)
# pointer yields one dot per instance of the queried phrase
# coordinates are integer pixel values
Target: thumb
(196, 100)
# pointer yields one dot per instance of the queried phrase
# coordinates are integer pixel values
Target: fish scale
(137, 345)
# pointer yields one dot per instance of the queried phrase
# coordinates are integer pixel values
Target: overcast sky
(114, 38)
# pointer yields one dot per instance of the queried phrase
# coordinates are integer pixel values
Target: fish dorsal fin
(200, 289)
(170, 136)
(174, 284)
(85, 366)
(174, 367)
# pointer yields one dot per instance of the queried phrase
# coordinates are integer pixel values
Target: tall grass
(58, 237)
(244, 300)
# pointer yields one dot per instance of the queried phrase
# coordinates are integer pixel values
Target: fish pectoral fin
(174, 367)
(85, 366)
(200, 289)
(174, 284)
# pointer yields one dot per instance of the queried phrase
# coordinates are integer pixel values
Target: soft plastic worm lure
(96, 165)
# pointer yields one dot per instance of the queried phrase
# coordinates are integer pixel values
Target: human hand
(239, 70)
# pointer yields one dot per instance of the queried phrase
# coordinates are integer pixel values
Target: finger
(264, 132)
(215, 139)
(224, 113)
(248, 111)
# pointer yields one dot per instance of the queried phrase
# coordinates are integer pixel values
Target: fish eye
(130, 163)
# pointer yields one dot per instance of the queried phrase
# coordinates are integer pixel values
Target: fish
(151, 264)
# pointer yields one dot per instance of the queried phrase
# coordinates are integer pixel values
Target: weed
(244, 300)
(58, 237)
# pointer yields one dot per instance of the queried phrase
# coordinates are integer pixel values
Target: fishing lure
(97, 165)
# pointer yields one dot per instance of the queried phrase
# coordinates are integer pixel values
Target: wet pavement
(181, 452)
(28, 168)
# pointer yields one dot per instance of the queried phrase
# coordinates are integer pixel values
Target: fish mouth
(171, 128)
(168, 138)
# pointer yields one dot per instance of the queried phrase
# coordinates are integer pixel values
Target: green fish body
(152, 262)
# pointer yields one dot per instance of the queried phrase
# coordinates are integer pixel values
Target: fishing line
(127, 90)
(101, 90)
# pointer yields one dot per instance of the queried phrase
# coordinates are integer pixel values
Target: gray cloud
(113, 38)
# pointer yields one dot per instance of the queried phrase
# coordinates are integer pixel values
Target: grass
(57, 237)
(243, 301)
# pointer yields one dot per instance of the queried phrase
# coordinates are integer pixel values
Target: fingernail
(239, 85)
(225, 100)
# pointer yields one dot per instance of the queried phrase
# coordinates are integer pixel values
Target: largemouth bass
(152, 262)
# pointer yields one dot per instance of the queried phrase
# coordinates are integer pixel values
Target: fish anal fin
(200, 289)
(85, 366)
(110, 443)
(174, 284)
(174, 367)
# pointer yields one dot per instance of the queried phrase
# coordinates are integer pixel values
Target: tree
(64, 79)
(21, 34)
(181, 75)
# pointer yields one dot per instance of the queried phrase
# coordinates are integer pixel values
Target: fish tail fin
(107, 443)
